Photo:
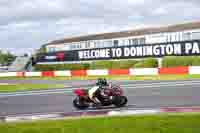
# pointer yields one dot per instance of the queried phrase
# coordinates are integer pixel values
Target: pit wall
(104, 72)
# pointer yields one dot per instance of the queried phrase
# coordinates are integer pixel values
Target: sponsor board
(183, 48)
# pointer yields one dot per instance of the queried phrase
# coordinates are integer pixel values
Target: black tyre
(78, 104)
(106, 103)
(120, 101)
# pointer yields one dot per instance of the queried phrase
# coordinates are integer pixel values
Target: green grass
(118, 77)
(162, 123)
(27, 87)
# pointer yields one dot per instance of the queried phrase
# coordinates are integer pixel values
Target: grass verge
(28, 87)
(162, 123)
(117, 77)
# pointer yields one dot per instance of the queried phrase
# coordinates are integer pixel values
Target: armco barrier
(48, 74)
(119, 72)
(8, 74)
(97, 72)
(62, 73)
(103, 72)
(174, 70)
(78, 73)
(144, 71)
(194, 70)
(20, 74)
(33, 74)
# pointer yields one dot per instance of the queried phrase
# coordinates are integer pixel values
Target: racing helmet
(101, 82)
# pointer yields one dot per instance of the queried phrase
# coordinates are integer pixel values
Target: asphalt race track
(141, 94)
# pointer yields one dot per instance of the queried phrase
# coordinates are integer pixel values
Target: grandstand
(156, 42)
(21, 63)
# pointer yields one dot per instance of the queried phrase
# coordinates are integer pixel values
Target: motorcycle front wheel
(120, 101)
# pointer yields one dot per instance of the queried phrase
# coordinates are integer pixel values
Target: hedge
(53, 67)
(100, 65)
(168, 61)
(173, 61)
(113, 64)
(147, 63)
(125, 64)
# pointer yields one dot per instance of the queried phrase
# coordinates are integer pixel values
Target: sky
(27, 24)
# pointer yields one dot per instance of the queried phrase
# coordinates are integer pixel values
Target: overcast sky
(27, 24)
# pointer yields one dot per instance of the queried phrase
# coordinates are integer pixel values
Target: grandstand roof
(171, 28)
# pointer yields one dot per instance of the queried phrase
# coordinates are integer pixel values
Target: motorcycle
(112, 95)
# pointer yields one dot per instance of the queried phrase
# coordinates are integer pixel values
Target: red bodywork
(80, 92)
(112, 91)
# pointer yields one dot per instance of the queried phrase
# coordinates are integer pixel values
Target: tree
(6, 58)
(1, 58)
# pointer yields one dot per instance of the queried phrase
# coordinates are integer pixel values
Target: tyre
(78, 104)
(120, 101)
(106, 103)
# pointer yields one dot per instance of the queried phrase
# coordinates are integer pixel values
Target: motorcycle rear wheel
(78, 104)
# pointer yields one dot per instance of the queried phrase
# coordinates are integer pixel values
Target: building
(169, 40)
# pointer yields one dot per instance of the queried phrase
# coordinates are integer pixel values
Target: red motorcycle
(112, 95)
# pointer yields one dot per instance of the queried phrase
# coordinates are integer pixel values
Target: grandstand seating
(21, 63)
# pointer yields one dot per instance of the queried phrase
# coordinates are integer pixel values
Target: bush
(147, 63)
(77, 66)
(168, 61)
(101, 65)
(112, 64)
(54, 67)
(174, 61)
(124, 64)
(196, 61)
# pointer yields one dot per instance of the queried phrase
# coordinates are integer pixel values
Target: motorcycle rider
(95, 92)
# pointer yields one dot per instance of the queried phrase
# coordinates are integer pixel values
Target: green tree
(6, 58)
